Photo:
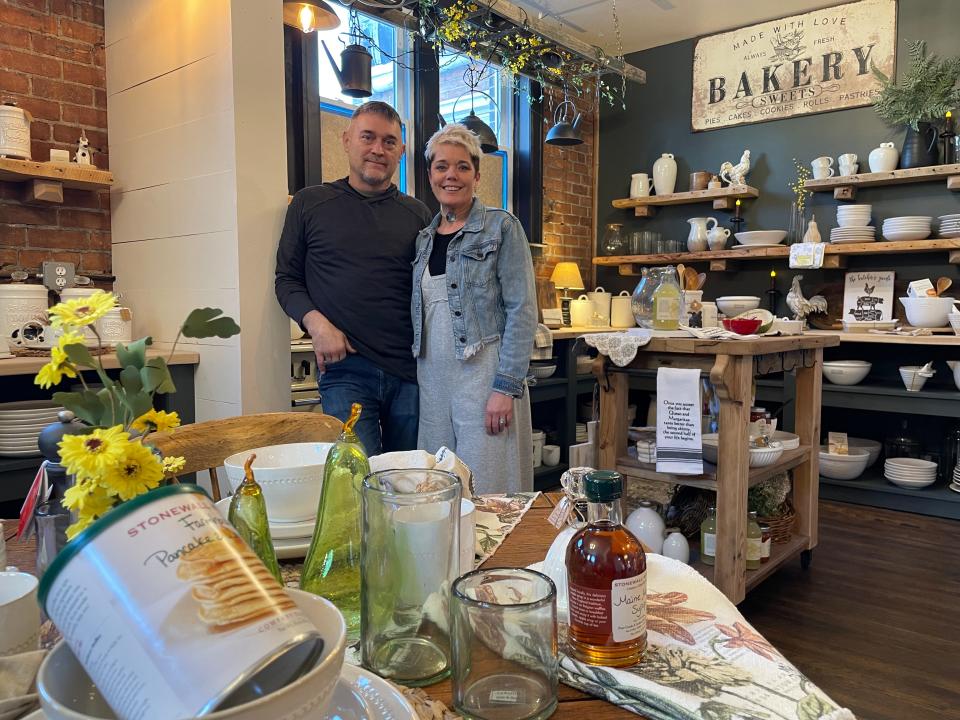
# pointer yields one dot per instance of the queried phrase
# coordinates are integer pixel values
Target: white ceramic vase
(665, 174)
(676, 546)
(645, 522)
(884, 158)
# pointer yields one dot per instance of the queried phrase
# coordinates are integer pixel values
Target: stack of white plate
(21, 423)
(290, 540)
(581, 432)
(950, 226)
(853, 234)
(908, 227)
(910, 472)
(955, 485)
(853, 215)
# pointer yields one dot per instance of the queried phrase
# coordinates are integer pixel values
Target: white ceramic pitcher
(697, 239)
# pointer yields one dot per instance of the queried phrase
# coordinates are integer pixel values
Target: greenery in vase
(767, 496)
(926, 92)
(111, 461)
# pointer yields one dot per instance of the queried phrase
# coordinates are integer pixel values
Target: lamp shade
(309, 15)
(567, 275)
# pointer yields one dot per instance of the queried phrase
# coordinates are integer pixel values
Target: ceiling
(650, 23)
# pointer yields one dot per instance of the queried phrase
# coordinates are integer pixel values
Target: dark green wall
(657, 120)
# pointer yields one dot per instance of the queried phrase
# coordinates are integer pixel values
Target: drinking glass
(613, 239)
(664, 245)
(52, 520)
(505, 662)
(409, 558)
(636, 242)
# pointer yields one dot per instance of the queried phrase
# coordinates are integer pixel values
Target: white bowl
(907, 463)
(711, 445)
(542, 372)
(871, 446)
(898, 235)
(760, 237)
(843, 467)
(733, 305)
(913, 381)
(846, 372)
(932, 312)
(761, 457)
(68, 693)
(291, 477)
(911, 484)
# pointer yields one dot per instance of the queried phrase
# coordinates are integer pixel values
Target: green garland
(926, 92)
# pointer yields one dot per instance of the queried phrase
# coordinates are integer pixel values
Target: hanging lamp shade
(488, 138)
(309, 16)
(564, 132)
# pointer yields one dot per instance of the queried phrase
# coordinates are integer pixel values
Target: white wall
(195, 114)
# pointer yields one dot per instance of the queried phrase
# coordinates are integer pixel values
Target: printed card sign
(802, 64)
(868, 296)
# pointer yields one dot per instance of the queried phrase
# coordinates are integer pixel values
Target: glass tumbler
(409, 559)
(505, 662)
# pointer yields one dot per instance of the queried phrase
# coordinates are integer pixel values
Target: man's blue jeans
(391, 406)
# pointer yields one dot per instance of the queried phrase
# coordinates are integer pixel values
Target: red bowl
(742, 326)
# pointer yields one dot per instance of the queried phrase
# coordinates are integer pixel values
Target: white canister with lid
(116, 326)
(14, 131)
(76, 293)
(601, 306)
(581, 310)
(621, 311)
(19, 304)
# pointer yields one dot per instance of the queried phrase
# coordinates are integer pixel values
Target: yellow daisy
(56, 370)
(173, 465)
(91, 455)
(82, 311)
(88, 497)
(138, 471)
(156, 421)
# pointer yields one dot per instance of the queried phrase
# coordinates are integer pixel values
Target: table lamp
(566, 276)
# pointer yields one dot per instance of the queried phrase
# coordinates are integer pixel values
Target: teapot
(355, 76)
(697, 239)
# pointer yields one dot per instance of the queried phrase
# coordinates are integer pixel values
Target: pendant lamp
(309, 16)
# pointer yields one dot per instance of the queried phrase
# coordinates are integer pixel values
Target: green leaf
(79, 355)
(135, 353)
(156, 376)
(209, 322)
(130, 379)
(139, 403)
(84, 404)
(112, 409)
(813, 707)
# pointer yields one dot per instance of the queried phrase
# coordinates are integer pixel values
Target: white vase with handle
(699, 232)
(665, 174)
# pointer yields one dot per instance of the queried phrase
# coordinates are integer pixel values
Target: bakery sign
(802, 64)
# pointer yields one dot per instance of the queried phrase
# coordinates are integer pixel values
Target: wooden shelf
(629, 466)
(845, 186)
(834, 255)
(873, 338)
(31, 365)
(779, 554)
(45, 180)
(722, 198)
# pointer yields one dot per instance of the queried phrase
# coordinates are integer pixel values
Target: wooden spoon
(701, 280)
(943, 284)
(682, 275)
(691, 282)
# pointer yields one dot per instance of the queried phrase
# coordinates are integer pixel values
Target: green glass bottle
(248, 514)
(332, 568)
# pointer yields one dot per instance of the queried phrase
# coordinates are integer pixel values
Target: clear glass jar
(613, 239)
(766, 538)
(667, 301)
(708, 537)
(641, 303)
(754, 541)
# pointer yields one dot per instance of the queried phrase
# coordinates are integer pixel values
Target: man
(344, 273)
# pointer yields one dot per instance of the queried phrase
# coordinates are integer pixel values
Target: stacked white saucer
(949, 226)
(21, 423)
(854, 225)
(910, 473)
(907, 227)
(955, 485)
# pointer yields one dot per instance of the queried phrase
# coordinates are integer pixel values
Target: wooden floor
(875, 620)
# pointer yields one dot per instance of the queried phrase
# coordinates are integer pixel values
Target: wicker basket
(781, 526)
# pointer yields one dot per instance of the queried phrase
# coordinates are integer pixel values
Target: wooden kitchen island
(731, 366)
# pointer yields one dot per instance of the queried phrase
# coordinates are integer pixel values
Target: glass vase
(797, 225)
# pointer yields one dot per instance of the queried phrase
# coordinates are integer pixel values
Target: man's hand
(499, 413)
(329, 344)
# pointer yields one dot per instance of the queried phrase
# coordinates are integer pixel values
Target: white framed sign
(802, 64)
(868, 296)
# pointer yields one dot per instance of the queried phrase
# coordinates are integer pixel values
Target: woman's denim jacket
(490, 291)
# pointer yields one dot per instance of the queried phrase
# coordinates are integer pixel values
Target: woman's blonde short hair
(455, 134)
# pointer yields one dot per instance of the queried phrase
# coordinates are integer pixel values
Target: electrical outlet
(57, 275)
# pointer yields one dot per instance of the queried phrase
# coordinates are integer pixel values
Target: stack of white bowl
(843, 467)
(949, 226)
(21, 423)
(291, 477)
(910, 473)
(908, 227)
(854, 225)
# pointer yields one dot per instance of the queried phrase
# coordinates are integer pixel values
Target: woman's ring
(503, 421)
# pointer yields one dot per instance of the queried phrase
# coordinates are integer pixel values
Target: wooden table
(732, 365)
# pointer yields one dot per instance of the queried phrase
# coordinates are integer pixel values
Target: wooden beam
(629, 270)
(834, 261)
(894, 177)
(953, 183)
(847, 192)
(45, 191)
(645, 211)
(721, 265)
(954, 257)
(729, 193)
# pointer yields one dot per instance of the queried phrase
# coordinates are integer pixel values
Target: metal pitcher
(355, 71)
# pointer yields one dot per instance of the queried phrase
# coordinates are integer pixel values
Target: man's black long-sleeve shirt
(348, 255)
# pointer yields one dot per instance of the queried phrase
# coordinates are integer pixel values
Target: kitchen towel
(679, 445)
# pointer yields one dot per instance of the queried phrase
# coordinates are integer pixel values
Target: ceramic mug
(847, 159)
(640, 185)
(699, 180)
(822, 173)
(551, 455)
(823, 161)
(849, 169)
(19, 613)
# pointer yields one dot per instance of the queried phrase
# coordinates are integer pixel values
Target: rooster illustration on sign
(866, 310)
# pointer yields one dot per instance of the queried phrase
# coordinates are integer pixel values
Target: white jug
(581, 310)
(645, 522)
(717, 238)
(665, 174)
(697, 239)
(621, 311)
(640, 185)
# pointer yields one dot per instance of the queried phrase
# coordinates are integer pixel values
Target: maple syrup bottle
(607, 581)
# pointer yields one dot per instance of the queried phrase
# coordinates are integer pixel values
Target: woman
(474, 317)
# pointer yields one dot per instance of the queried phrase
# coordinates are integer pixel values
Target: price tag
(561, 513)
(807, 255)
(838, 443)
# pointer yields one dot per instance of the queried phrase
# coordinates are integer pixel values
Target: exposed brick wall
(52, 63)
(569, 187)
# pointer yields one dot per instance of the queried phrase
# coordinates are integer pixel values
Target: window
(492, 102)
(391, 84)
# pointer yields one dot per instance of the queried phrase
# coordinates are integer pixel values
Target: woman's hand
(499, 413)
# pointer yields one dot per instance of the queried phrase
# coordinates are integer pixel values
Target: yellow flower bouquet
(111, 462)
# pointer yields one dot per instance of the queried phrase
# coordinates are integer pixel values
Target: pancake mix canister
(170, 612)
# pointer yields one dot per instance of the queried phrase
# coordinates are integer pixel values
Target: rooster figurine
(735, 174)
(800, 305)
